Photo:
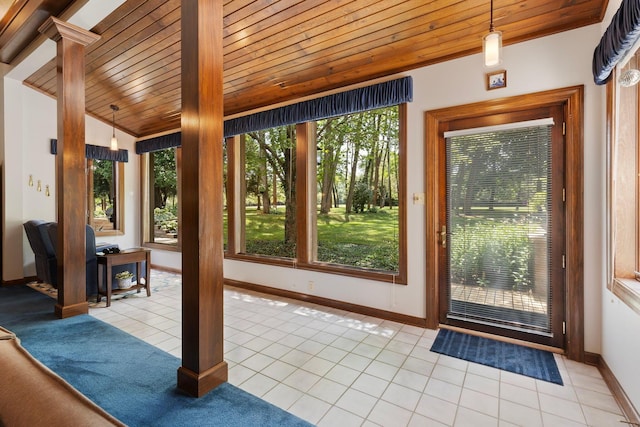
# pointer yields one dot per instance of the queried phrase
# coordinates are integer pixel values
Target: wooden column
(70, 164)
(203, 367)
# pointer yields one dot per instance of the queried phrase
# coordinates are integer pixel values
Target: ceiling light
(114, 140)
(492, 45)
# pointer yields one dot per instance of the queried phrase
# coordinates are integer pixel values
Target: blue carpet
(130, 379)
(527, 361)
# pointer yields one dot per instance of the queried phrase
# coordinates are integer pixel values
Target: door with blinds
(502, 219)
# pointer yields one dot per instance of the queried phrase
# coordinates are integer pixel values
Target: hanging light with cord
(114, 140)
(492, 45)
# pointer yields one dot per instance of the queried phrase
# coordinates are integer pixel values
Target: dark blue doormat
(515, 358)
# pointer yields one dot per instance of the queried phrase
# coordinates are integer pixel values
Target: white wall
(553, 62)
(28, 120)
(620, 324)
(30, 123)
(11, 180)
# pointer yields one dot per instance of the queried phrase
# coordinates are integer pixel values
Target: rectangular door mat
(515, 358)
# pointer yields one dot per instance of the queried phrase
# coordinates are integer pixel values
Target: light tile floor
(336, 368)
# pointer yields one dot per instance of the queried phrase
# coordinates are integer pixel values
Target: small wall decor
(496, 79)
(39, 187)
(30, 180)
(46, 190)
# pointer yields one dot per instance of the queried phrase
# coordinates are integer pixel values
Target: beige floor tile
(335, 368)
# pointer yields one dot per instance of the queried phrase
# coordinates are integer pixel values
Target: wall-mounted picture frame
(496, 79)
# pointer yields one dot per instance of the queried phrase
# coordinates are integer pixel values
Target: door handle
(443, 236)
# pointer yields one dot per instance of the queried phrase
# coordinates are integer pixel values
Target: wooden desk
(125, 256)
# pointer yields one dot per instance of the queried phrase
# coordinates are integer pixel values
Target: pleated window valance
(97, 152)
(379, 95)
(621, 35)
(159, 143)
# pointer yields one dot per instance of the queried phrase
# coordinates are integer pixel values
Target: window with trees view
(323, 195)
(163, 196)
(105, 200)
(270, 206)
(358, 185)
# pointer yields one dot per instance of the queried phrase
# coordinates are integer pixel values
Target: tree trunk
(389, 172)
(327, 180)
(266, 206)
(352, 178)
(376, 176)
(157, 198)
(274, 188)
(289, 184)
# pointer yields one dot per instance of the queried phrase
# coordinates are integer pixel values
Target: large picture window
(270, 192)
(161, 201)
(328, 199)
(316, 185)
(105, 180)
(357, 221)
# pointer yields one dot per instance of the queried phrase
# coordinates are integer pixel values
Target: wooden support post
(70, 162)
(203, 367)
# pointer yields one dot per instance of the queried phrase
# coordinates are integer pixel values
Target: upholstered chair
(43, 249)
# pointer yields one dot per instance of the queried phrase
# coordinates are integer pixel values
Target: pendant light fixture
(114, 140)
(492, 45)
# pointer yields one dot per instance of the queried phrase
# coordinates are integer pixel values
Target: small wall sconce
(46, 190)
(30, 180)
(39, 187)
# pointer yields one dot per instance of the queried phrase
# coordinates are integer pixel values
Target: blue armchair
(43, 237)
(45, 256)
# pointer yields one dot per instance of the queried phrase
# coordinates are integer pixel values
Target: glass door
(503, 252)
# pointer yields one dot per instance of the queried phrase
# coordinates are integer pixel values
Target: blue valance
(159, 143)
(379, 95)
(617, 40)
(97, 152)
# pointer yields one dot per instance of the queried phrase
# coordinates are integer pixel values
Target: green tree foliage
(360, 147)
(277, 147)
(361, 196)
(103, 182)
(498, 168)
(165, 176)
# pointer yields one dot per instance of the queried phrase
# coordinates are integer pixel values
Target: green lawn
(368, 240)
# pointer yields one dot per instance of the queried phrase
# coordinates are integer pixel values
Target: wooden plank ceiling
(279, 50)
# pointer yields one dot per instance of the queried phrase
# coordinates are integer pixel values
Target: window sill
(628, 290)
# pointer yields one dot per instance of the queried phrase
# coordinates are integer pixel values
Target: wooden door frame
(573, 100)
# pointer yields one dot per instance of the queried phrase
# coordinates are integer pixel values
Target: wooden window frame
(621, 279)
(119, 228)
(145, 206)
(305, 209)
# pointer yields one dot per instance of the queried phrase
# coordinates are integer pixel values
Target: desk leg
(147, 280)
(138, 277)
(108, 268)
(100, 282)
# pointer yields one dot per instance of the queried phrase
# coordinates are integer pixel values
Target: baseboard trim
(341, 305)
(22, 281)
(166, 269)
(592, 359)
(630, 412)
